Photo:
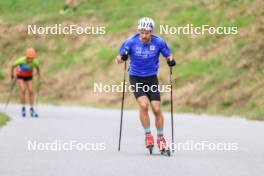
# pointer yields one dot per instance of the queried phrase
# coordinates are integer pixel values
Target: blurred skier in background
(23, 75)
(70, 4)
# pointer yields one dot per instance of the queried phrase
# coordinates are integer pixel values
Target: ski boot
(163, 146)
(33, 113)
(149, 142)
(23, 112)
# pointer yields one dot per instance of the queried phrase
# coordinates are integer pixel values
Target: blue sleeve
(125, 47)
(164, 49)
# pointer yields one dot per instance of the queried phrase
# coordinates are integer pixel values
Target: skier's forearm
(38, 73)
(12, 71)
(118, 59)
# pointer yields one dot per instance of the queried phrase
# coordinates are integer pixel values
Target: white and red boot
(149, 142)
(163, 145)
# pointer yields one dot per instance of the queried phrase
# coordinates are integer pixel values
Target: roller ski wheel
(166, 152)
(23, 112)
(150, 149)
(33, 113)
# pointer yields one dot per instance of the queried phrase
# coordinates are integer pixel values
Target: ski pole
(10, 94)
(171, 108)
(37, 96)
(122, 106)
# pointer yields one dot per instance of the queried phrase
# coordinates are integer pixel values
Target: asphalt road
(98, 130)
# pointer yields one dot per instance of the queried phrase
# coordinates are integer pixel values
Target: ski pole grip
(124, 56)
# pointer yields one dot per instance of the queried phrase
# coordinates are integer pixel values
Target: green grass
(65, 60)
(3, 119)
(240, 21)
(197, 68)
(105, 56)
(2, 75)
(207, 70)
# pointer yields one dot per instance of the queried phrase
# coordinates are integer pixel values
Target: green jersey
(25, 68)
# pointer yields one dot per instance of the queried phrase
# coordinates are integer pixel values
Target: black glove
(171, 63)
(124, 56)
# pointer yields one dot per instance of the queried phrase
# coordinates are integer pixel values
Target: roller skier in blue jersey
(144, 50)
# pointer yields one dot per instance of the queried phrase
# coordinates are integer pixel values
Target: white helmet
(146, 24)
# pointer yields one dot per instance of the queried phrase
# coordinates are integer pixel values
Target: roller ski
(163, 146)
(33, 113)
(23, 112)
(149, 143)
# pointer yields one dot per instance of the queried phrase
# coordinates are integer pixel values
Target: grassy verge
(216, 74)
(3, 119)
